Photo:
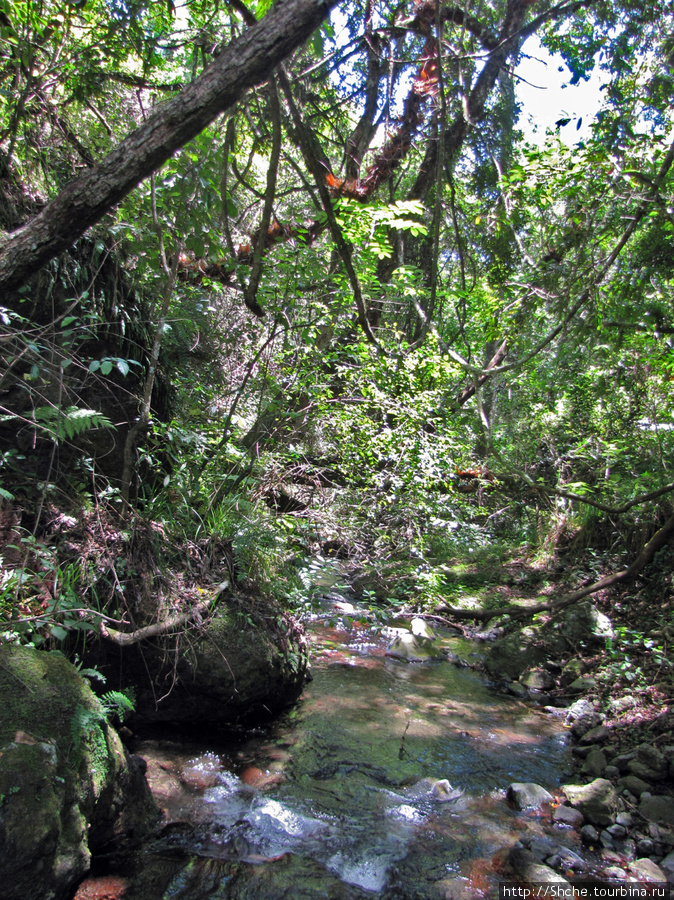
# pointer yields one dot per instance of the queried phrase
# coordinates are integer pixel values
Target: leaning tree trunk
(245, 62)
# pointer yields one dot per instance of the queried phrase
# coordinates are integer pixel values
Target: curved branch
(126, 638)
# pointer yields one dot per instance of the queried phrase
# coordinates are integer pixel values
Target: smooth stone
(615, 872)
(596, 735)
(528, 868)
(598, 800)
(595, 763)
(621, 762)
(657, 809)
(634, 785)
(563, 858)
(617, 831)
(567, 815)
(648, 870)
(606, 840)
(645, 846)
(625, 819)
(527, 795)
(582, 707)
(589, 834)
(667, 865)
(611, 772)
(641, 770)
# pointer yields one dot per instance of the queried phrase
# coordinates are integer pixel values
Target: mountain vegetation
(284, 282)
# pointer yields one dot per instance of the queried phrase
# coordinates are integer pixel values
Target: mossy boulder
(67, 787)
(241, 668)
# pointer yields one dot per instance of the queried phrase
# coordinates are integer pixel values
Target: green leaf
(59, 633)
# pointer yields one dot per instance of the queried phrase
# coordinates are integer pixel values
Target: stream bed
(387, 779)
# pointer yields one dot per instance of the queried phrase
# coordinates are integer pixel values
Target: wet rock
(540, 845)
(634, 785)
(615, 873)
(647, 870)
(567, 815)
(528, 868)
(68, 788)
(657, 809)
(611, 773)
(606, 840)
(667, 866)
(646, 846)
(596, 735)
(597, 800)
(625, 819)
(537, 679)
(564, 858)
(412, 648)
(526, 795)
(617, 832)
(583, 623)
(589, 834)
(595, 763)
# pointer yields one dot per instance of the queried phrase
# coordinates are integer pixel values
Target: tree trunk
(247, 61)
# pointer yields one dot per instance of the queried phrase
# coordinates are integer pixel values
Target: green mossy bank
(67, 788)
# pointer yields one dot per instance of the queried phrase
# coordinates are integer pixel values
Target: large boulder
(582, 623)
(243, 667)
(598, 800)
(67, 787)
(522, 650)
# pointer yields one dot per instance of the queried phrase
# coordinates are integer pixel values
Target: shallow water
(387, 779)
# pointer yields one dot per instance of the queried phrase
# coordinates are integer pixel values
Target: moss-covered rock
(242, 667)
(67, 788)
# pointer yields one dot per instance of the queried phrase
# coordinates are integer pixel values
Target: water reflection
(388, 778)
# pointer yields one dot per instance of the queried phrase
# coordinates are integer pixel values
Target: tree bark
(245, 62)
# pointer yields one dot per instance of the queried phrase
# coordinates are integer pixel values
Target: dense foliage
(359, 312)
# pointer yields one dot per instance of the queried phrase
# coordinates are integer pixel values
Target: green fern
(67, 424)
(119, 703)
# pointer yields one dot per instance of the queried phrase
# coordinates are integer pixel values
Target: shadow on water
(387, 779)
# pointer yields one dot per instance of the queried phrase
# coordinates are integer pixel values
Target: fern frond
(67, 424)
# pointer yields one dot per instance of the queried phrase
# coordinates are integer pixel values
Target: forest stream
(387, 779)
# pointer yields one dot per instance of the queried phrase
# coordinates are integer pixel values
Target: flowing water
(386, 780)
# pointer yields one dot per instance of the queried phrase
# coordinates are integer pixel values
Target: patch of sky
(547, 97)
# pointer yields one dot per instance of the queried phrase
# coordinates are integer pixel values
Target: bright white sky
(546, 96)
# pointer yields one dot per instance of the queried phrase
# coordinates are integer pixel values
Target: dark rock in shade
(68, 788)
(567, 815)
(658, 809)
(597, 800)
(524, 649)
(595, 763)
(634, 785)
(238, 669)
(528, 868)
(526, 795)
(596, 735)
(589, 834)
